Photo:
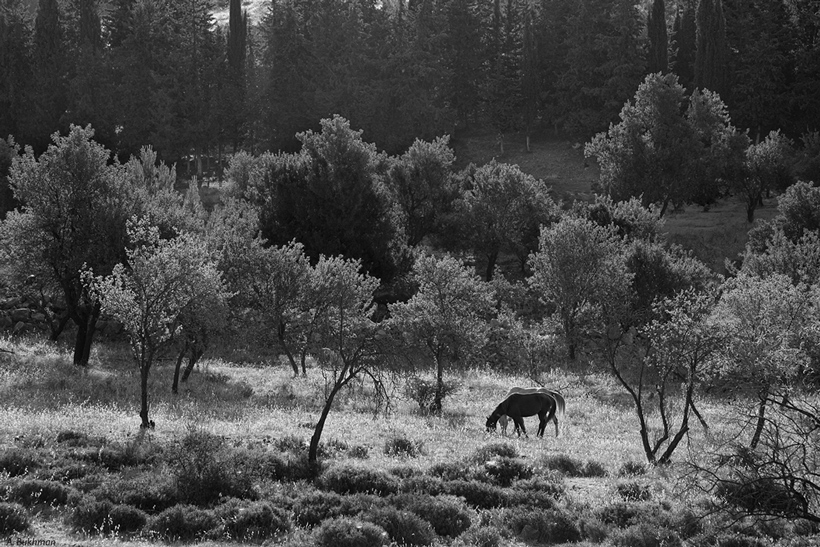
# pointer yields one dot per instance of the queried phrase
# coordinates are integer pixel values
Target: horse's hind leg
(555, 419)
(542, 425)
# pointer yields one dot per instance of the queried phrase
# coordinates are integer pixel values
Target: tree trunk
(439, 397)
(492, 258)
(280, 333)
(144, 368)
(313, 450)
(196, 355)
(86, 320)
(177, 368)
(750, 210)
(761, 423)
(58, 328)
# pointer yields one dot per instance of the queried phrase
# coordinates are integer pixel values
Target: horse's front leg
(542, 425)
(519, 426)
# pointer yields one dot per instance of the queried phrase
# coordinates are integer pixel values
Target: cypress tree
(657, 60)
(49, 72)
(712, 53)
(684, 39)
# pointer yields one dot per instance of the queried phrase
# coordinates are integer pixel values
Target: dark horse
(519, 405)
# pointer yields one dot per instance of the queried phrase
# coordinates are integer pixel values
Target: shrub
(450, 471)
(738, 540)
(311, 509)
(17, 462)
(423, 484)
(356, 504)
(482, 536)
(477, 494)
(625, 514)
(127, 519)
(492, 451)
(32, 492)
(358, 451)
(207, 470)
(446, 515)
(564, 464)
(506, 470)
(403, 447)
(348, 532)
(291, 443)
(76, 438)
(149, 492)
(645, 535)
(594, 469)
(423, 392)
(13, 518)
(631, 469)
(257, 521)
(66, 472)
(633, 491)
(543, 526)
(537, 491)
(295, 468)
(91, 516)
(347, 479)
(403, 527)
(183, 522)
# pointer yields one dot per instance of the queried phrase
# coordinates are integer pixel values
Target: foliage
(401, 446)
(572, 467)
(424, 391)
(348, 532)
(543, 526)
(345, 479)
(444, 321)
(104, 517)
(29, 492)
(162, 278)
(183, 522)
(767, 168)
(504, 471)
(646, 535)
(313, 508)
(13, 518)
(74, 216)
(258, 521)
(662, 150)
(403, 527)
(19, 461)
(633, 491)
(578, 267)
(501, 210)
(446, 515)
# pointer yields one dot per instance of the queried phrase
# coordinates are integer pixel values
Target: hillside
(713, 235)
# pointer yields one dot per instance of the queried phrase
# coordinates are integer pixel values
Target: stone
(20, 314)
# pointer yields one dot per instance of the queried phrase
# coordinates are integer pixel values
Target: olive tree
(74, 207)
(344, 341)
(149, 293)
(447, 319)
(578, 265)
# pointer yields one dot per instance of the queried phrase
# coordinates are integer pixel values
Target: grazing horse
(519, 405)
(559, 403)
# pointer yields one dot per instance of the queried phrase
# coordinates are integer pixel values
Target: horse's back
(560, 403)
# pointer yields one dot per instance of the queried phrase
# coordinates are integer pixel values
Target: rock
(20, 327)
(38, 317)
(10, 303)
(5, 321)
(20, 314)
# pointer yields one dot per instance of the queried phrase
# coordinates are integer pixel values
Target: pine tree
(657, 60)
(712, 52)
(234, 86)
(530, 72)
(15, 70)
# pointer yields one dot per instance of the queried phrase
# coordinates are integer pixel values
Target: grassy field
(261, 408)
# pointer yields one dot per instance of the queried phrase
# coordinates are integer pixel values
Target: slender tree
(684, 43)
(658, 42)
(49, 92)
(711, 59)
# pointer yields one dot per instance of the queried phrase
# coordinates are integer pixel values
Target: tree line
(145, 71)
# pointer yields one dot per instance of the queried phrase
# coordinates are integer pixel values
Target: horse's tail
(560, 404)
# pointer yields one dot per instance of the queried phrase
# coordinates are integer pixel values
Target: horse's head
(491, 421)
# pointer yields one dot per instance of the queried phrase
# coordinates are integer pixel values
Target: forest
(311, 358)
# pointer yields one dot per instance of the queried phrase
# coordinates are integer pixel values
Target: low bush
(451, 471)
(505, 470)
(78, 439)
(543, 526)
(481, 536)
(251, 522)
(127, 519)
(359, 451)
(447, 515)
(345, 479)
(67, 471)
(594, 469)
(645, 535)
(423, 392)
(492, 451)
(536, 492)
(349, 532)
(91, 516)
(314, 507)
(739, 540)
(295, 468)
(207, 470)
(356, 504)
(633, 491)
(632, 469)
(31, 492)
(19, 461)
(403, 447)
(477, 494)
(566, 465)
(625, 514)
(422, 484)
(13, 518)
(183, 523)
(151, 492)
(403, 527)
